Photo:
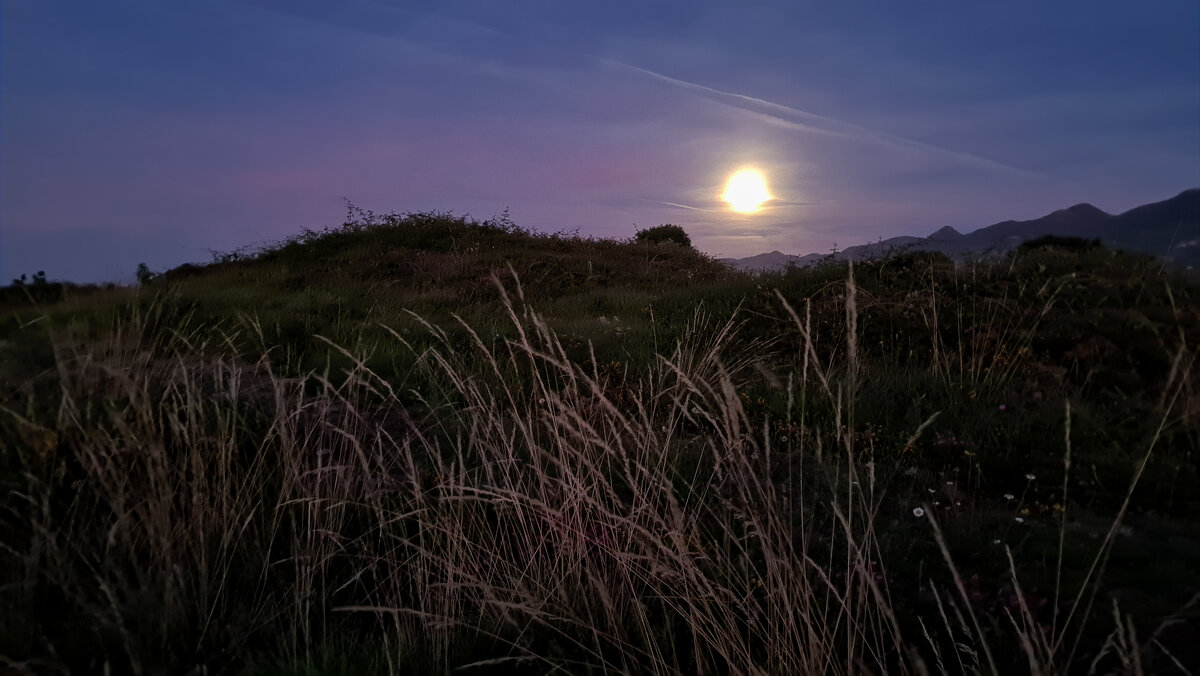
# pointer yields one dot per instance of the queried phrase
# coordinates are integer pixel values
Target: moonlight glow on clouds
(139, 131)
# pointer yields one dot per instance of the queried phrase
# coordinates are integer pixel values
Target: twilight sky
(149, 131)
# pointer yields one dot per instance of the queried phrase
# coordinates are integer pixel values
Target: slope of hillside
(346, 284)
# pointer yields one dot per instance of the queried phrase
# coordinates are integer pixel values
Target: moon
(746, 191)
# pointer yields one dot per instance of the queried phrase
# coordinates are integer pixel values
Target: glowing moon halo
(746, 191)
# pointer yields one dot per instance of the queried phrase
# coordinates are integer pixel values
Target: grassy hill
(419, 442)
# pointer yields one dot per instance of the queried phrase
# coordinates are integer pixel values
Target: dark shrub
(664, 233)
(1069, 243)
(145, 275)
(34, 291)
(919, 260)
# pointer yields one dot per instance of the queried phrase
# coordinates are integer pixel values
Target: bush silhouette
(664, 233)
(33, 290)
(145, 275)
(1056, 241)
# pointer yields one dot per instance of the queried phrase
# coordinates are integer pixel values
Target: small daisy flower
(918, 512)
(1009, 496)
(1031, 477)
(1020, 520)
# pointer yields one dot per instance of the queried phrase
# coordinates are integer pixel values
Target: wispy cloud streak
(681, 206)
(800, 120)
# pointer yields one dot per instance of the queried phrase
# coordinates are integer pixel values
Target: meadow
(420, 443)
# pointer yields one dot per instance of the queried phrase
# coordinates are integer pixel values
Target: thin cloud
(681, 206)
(800, 120)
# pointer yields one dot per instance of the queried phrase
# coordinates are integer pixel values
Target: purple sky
(149, 131)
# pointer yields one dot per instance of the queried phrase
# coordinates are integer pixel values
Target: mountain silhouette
(1169, 230)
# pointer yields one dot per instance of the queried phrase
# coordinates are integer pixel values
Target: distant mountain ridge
(1169, 230)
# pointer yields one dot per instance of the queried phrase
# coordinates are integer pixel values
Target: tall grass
(179, 508)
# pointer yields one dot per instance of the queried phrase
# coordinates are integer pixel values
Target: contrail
(811, 122)
(681, 206)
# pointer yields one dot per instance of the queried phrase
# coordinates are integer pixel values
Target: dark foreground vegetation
(424, 444)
